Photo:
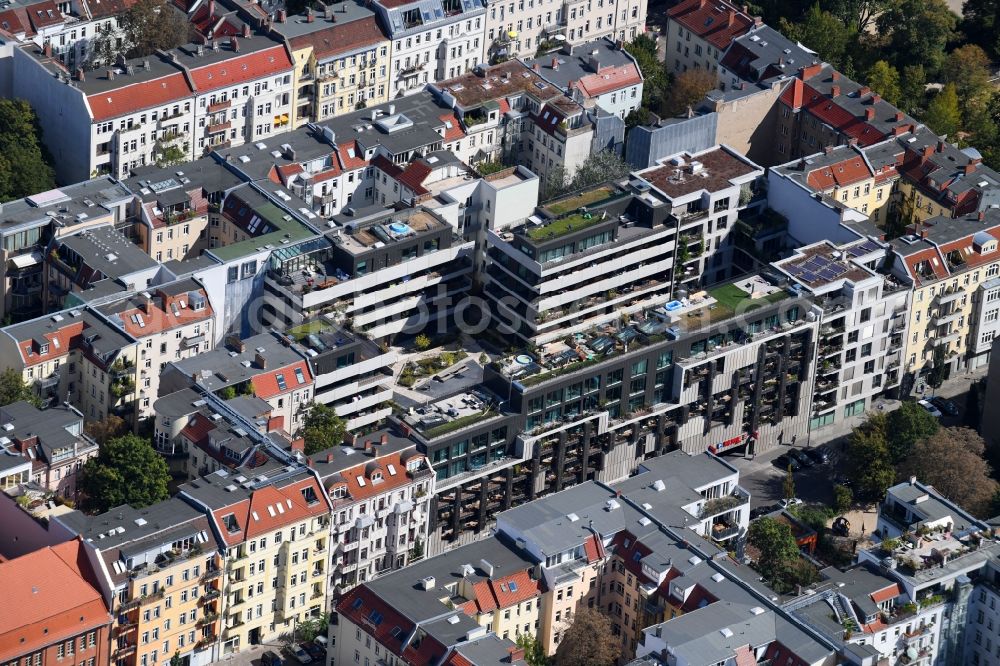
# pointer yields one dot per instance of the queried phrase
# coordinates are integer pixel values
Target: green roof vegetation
(291, 230)
(457, 424)
(731, 297)
(585, 198)
(302, 331)
(563, 225)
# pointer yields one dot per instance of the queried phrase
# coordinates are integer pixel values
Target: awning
(512, 34)
(25, 260)
(284, 117)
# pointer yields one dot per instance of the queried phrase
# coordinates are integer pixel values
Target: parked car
(842, 480)
(784, 461)
(315, 650)
(801, 458)
(300, 654)
(270, 658)
(786, 503)
(931, 409)
(945, 405)
(763, 511)
(321, 641)
(819, 455)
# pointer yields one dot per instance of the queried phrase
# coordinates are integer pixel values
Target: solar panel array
(867, 247)
(818, 268)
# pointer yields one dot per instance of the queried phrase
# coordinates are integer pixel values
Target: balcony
(219, 106)
(950, 295)
(124, 651)
(216, 128)
(722, 531)
(719, 505)
(211, 574)
(210, 596)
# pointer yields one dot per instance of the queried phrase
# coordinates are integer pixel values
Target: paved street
(763, 479)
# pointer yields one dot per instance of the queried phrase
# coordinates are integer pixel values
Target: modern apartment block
(862, 326)
(160, 574)
(52, 442)
(274, 529)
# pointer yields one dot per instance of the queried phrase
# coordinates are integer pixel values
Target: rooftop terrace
(454, 413)
(712, 170)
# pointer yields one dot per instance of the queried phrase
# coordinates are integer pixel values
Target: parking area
(765, 480)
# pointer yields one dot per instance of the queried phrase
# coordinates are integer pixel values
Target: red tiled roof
(886, 594)
(452, 128)
(46, 599)
(103, 8)
(715, 21)
(67, 336)
(286, 171)
(632, 554)
(845, 172)
(933, 259)
(11, 23)
(413, 176)
(348, 161)
(594, 549)
(162, 316)
(341, 38)
(239, 69)
(138, 96)
(197, 429)
(265, 385)
(608, 79)
(44, 15)
(455, 659)
(261, 513)
(390, 481)
(524, 587)
(800, 95)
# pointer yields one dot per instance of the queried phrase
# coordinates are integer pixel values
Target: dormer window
(43, 349)
(376, 477)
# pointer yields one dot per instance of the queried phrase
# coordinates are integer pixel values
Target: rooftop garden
(308, 328)
(457, 424)
(732, 298)
(575, 202)
(563, 225)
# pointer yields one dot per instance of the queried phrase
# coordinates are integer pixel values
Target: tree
(553, 183)
(775, 542)
(943, 115)
(822, 32)
(913, 87)
(905, 427)
(107, 428)
(979, 23)
(127, 470)
(842, 498)
(599, 167)
(952, 461)
(857, 15)
(422, 342)
(788, 485)
(916, 31)
(654, 73)
(322, 428)
(13, 388)
(883, 78)
(176, 660)
(534, 654)
(968, 67)
(25, 164)
(869, 464)
(308, 630)
(688, 88)
(146, 26)
(588, 641)
(939, 368)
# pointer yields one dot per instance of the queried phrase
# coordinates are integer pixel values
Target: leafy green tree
(857, 15)
(422, 342)
(147, 26)
(905, 427)
(308, 630)
(943, 115)
(13, 388)
(912, 86)
(322, 428)
(588, 641)
(177, 659)
(25, 164)
(869, 464)
(822, 32)
(127, 470)
(843, 498)
(939, 368)
(775, 542)
(107, 428)
(884, 79)
(916, 31)
(968, 67)
(599, 167)
(788, 485)
(952, 461)
(534, 653)
(980, 20)
(654, 73)
(687, 89)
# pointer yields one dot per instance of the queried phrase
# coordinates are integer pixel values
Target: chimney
(536, 67)
(329, 457)
(80, 76)
(368, 446)
(863, 90)
(211, 8)
(309, 15)
(853, 141)
(827, 150)
(47, 49)
(234, 44)
(834, 92)
(328, 13)
(515, 654)
(731, 17)
(928, 151)
(298, 444)
(835, 76)
(282, 15)
(246, 31)
(260, 361)
(869, 114)
(555, 63)
(275, 423)
(147, 304)
(940, 146)
(810, 71)
(309, 462)
(384, 439)
(982, 215)
(111, 74)
(876, 98)
(236, 344)
(899, 116)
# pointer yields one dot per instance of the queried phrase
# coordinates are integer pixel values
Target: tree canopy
(654, 73)
(25, 164)
(588, 641)
(822, 32)
(13, 388)
(322, 428)
(147, 26)
(884, 79)
(107, 428)
(687, 89)
(776, 545)
(952, 461)
(869, 464)
(905, 427)
(127, 470)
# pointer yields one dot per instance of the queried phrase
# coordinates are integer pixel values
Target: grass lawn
(561, 226)
(583, 199)
(732, 297)
(303, 330)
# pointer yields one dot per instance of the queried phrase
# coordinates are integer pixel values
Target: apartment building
(171, 322)
(52, 441)
(190, 99)
(387, 271)
(264, 365)
(380, 490)
(101, 258)
(862, 331)
(699, 32)
(75, 356)
(67, 29)
(341, 60)
(27, 225)
(275, 530)
(431, 40)
(56, 617)
(596, 73)
(159, 572)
